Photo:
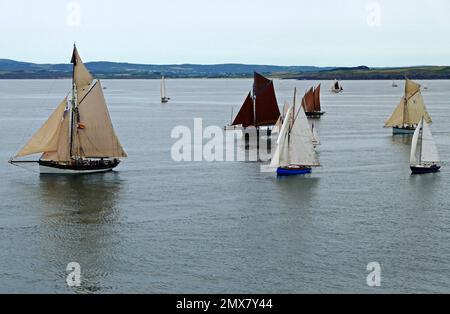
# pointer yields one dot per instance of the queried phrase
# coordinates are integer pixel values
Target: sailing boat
(336, 87)
(424, 153)
(164, 98)
(311, 103)
(408, 113)
(260, 108)
(394, 84)
(79, 136)
(295, 154)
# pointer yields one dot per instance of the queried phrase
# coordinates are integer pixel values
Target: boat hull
(314, 115)
(288, 172)
(403, 131)
(425, 169)
(165, 100)
(84, 168)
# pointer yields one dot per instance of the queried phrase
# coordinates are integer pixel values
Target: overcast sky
(282, 32)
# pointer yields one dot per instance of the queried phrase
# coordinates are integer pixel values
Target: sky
(375, 33)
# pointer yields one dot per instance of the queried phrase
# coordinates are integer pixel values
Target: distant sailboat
(295, 154)
(164, 98)
(408, 113)
(311, 103)
(424, 153)
(394, 84)
(79, 136)
(260, 108)
(336, 87)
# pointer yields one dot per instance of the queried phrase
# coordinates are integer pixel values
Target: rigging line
(90, 90)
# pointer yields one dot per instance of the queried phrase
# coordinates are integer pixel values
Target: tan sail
(82, 77)
(411, 108)
(62, 153)
(95, 136)
(47, 138)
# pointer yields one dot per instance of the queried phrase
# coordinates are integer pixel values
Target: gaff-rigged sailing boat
(164, 98)
(336, 87)
(79, 136)
(295, 154)
(311, 103)
(260, 108)
(424, 153)
(410, 111)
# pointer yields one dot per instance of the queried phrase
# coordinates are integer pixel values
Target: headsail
(245, 116)
(47, 138)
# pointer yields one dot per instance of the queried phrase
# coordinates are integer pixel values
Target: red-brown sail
(317, 105)
(246, 115)
(308, 101)
(261, 108)
(266, 107)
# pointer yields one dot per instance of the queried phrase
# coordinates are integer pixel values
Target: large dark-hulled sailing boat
(311, 103)
(260, 108)
(79, 136)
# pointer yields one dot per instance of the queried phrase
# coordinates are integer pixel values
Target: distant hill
(10, 69)
(365, 73)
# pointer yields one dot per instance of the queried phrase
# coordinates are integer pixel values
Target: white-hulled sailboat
(164, 98)
(424, 154)
(79, 136)
(295, 154)
(410, 111)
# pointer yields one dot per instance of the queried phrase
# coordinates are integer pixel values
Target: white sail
(415, 145)
(296, 145)
(163, 88)
(275, 163)
(316, 138)
(423, 150)
(429, 150)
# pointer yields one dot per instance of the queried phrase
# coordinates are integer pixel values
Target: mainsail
(411, 108)
(95, 137)
(260, 107)
(163, 88)
(317, 104)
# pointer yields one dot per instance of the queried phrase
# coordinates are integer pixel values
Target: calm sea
(159, 226)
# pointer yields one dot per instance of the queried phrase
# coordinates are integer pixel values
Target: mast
(72, 107)
(421, 143)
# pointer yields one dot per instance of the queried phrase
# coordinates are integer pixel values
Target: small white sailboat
(394, 84)
(295, 153)
(409, 112)
(164, 98)
(424, 153)
(336, 87)
(78, 137)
